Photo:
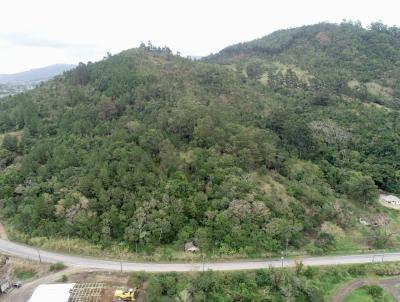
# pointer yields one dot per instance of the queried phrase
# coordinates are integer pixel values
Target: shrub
(262, 278)
(376, 292)
(310, 272)
(64, 278)
(57, 266)
(137, 279)
(299, 268)
(325, 241)
(338, 274)
(357, 270)
(314, 250)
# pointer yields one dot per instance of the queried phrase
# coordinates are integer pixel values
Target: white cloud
(42, 32)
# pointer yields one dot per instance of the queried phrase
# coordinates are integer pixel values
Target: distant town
(11, 89)
(11, 84)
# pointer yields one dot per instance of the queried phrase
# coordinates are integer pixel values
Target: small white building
(190, 247)
(391, 199)
(52, 293)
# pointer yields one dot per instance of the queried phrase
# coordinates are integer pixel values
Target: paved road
(19, 250)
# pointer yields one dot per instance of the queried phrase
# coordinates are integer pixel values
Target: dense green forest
(266, 146)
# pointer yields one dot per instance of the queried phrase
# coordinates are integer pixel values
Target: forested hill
(339, 59)
(248, 155)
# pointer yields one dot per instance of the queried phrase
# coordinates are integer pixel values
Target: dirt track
(389, 285)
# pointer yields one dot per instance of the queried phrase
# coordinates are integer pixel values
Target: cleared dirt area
(17, 134)
(111, 281)
(109, 278)
(3, 233)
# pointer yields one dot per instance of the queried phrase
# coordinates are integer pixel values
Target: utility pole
(287, 244)
(40, 258)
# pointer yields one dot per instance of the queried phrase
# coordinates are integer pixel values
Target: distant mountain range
(35, 75)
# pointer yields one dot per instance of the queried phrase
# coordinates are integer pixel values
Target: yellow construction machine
(127, 294)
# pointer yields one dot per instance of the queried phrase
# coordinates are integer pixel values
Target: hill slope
(151, 150)
(35, 75)
(339, 59)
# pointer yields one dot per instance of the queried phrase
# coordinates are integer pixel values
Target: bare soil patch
(111, 280)
(3, 233)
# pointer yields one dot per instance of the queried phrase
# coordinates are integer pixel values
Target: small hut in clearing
(391, 199)
(190, 247)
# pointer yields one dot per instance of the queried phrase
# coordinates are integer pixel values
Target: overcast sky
(36, 33)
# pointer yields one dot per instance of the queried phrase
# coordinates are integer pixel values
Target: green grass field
(361, 295)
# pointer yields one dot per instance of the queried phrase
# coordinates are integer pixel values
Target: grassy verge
(24, 274)
(80, 247)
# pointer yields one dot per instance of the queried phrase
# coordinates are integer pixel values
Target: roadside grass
(329, 282)
(354, 240)
(352, 243)
(83, 248)
(57, 267)
(362, 295)
(22, 269)
(24, 273)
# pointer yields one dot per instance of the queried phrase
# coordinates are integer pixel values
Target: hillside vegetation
(273, 145)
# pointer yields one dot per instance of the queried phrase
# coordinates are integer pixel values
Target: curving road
(23, 251)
